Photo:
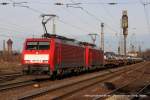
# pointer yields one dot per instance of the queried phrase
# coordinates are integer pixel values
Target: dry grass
(10, 63)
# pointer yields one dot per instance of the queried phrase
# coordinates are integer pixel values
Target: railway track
(62, 91)
(9, 76)
(16, 85)
(143, 92)
(23, 81)
(133, 81)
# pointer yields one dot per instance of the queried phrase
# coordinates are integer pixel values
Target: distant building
(9, 46)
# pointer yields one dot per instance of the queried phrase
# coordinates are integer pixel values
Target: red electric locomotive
(56, 55)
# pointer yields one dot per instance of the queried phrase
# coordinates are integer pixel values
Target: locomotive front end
(35, 56)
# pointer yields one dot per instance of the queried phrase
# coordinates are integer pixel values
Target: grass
(10, 64)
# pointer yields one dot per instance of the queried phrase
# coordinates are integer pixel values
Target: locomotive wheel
(72, 72)
(54, 75)
(60, 75)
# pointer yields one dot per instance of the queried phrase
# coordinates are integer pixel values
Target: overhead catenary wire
(31, 2)
(16, 27)
(111, 3)
(80, 19)
(3, 34)
(13, 28)
(95, 17)
(146, 14)
(37, 11)
(111, 16)
(10, 35)
(40, 3)
(20, 26)
(40, 12)
(23, 4)
(147, 19)
(10, 0)
(73, 26)
(33, 9)
(8, 29)
(4, 29)
(92, 3)
(76, 27)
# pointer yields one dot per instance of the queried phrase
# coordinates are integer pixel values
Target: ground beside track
(20, 90)
(81, 95)
(10, 67)
(81, 92)
(100, 90)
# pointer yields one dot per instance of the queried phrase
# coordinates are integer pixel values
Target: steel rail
(140, 91)
(119, 88)
(9, 76)
(38, 92)
(59, 97)
(16, 85)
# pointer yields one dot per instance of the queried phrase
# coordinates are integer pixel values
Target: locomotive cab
(35, 56)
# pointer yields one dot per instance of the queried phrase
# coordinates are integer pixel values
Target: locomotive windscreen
(37, 45)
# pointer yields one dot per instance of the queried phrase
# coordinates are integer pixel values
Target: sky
(20, 19)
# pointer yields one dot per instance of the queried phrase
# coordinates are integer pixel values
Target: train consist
(114, 60)
(57, 55)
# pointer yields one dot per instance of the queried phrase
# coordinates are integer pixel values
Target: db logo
(37, 53)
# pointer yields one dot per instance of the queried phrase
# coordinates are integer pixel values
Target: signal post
(125, 28)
